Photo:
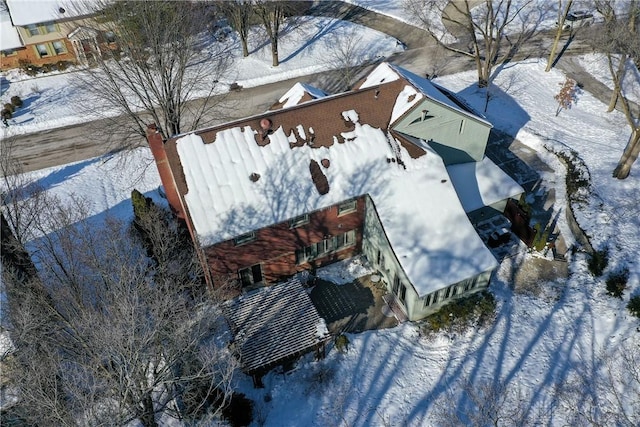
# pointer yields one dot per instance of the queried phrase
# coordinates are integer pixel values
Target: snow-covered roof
(25, 12)
(275, 323)
(418, 206)
(297, 92)
(386, 72)
(9, 38)
(482, 183)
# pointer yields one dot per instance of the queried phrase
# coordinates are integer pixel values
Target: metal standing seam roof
(274, 323)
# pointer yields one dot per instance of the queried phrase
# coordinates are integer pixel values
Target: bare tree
(620, 42)
(480, 27)
(238, 13)
(21, 195)
(160, 61)
(272, 15)
(105, 335)
(345, 55)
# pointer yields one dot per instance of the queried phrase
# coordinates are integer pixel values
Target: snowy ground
(397, 376)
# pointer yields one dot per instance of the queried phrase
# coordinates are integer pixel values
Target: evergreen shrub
(16, 101)
(617, 282)
(598, 262)
(634, 306)
(479, 308)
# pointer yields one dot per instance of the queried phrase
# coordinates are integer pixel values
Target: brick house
(49, 31)
(317, 179)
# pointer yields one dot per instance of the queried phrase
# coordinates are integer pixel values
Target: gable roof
(275, 323)
(416, 201)
(386, 72)
(299, 93)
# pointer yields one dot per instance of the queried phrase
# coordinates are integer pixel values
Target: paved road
(78, 142)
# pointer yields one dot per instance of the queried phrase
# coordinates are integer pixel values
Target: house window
(244, 239)
(454, 291)
(346, 207)
(447, 293)
(461, 126)
(435, 297)
(299, 220)
(396, 284)
(250, 275)
(403, 293)
(50, 27)
(9, 52)
(427, 300)
(326, 246)
(59, 47)
(33, 30)
(42, 50)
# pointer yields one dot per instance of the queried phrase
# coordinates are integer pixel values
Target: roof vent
(61, 10)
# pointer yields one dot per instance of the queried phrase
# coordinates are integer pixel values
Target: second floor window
(347, 207)
(33, 30)
(299, 220)
(50, 27)
(244, 238)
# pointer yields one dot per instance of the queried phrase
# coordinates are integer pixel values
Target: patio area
(353, 307)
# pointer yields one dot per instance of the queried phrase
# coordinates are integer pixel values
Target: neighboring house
(390, 170)
(39, 32)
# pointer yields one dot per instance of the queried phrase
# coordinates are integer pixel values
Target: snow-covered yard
(397, 376)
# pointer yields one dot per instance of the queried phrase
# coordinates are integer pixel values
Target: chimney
(265, 127)
(156, 143)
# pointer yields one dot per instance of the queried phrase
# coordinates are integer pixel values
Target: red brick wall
(29, 54)
(274, 247)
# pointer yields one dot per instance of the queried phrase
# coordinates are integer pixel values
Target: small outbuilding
(272, 326)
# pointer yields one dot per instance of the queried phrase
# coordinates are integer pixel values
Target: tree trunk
(558, 34)
(629, 156)
(617, 75)
(245, 47)
(274, 52)
(148, 418)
